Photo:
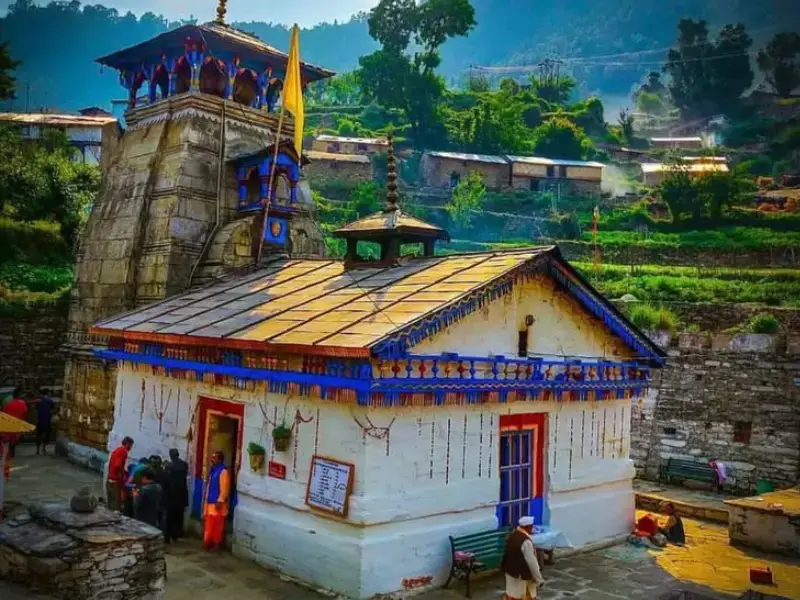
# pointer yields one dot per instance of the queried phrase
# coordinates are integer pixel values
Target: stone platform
(82, 556)
(769, 522)
(699, 504)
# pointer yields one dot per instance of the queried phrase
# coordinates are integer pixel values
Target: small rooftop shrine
(389, 228)
(213, 58)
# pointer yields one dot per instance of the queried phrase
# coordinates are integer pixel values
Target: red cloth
(647, 526)
(16, 408)
(116, 465)
(213, 530)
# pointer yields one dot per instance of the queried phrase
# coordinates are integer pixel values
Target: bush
(764, 323)
(648, 317)
(34, 242)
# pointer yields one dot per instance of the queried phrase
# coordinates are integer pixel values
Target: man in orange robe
(215, 510)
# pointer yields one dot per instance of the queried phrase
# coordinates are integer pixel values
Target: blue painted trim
(278, 377)
(197, 498)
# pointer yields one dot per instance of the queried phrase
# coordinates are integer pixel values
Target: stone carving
(84, 501)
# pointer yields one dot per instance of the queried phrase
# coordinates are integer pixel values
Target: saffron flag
(293, 90)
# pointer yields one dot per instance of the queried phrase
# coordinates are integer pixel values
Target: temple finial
(391, 178)
(221, 11)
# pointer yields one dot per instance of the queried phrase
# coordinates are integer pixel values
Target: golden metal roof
(317, 302)
(9, 424)
(390, 221)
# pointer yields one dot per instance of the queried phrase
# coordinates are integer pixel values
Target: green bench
(677, 468)
(476, 552)
(482, 552)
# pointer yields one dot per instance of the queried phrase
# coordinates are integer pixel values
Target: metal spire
(391, 178)
(221, 10)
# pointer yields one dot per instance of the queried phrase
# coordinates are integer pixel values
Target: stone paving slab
(706, 566)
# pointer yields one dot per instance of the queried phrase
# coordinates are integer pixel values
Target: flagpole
(269, 185)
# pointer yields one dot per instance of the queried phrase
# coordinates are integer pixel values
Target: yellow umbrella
(9, 425)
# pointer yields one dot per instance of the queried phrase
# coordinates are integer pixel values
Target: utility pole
(27, 97)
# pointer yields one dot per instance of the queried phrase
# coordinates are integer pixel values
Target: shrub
(34, 242)
(764, 323)
(648, 317)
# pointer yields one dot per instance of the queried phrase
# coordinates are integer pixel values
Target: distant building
(540, 174)
(445, 170)
(334, 144)
(343, 167)
(90, 136)
(684, 143)
(653, 174)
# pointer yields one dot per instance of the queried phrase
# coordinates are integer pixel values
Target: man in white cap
(523, 577)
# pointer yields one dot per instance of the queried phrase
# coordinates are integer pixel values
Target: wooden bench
(677, 468)
(482, 552)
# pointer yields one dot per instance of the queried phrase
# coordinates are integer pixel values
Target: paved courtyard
(707, 565)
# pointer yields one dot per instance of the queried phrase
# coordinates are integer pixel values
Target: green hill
(61, 73)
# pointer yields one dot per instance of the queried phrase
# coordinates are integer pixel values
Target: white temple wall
(561, 327)
(435, 475)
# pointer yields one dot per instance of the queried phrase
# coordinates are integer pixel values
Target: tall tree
(780, 63)
(7, 80)
(554, 88)
(708, 77)
(651, 96)
(408, 82)
(560, 138)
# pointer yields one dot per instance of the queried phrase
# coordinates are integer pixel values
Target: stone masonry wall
(29, 349)
(731, 398)
(82, 556)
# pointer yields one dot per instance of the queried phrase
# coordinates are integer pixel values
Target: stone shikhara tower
(182, 198)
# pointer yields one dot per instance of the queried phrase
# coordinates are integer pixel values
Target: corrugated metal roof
(318, 302)
(9, 424)
(352, 140)
(332, 156)
(484, 158)
(538, 160)
(690, 168)
(55, 120)
(666, 140)
(707, 159)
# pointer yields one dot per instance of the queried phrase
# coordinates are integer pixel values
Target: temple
(391, 403)
(203, 161)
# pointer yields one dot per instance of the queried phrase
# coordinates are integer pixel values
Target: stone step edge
(651, 503)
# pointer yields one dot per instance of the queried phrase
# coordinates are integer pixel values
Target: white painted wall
(405, 503)
(561, 327)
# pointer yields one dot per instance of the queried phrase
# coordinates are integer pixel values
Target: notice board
(330, 483)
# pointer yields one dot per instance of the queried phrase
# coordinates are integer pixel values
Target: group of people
(45, 405)
(149, 490)
(157, 493)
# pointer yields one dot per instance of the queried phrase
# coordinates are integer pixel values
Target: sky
(305, 13)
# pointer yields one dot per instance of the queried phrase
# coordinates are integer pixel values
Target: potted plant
(280, 437)
(257, 453)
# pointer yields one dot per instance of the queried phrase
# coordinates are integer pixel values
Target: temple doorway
(219, 429)
(521, 468)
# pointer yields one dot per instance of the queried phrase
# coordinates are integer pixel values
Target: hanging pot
(256, 462)
(281, 443)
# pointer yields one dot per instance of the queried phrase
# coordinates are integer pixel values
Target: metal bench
(483, 552)
(677, 468)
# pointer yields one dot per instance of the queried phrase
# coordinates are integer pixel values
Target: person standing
(215, 511)
(147, 500)
(44, 420)
(115, 483)
(519, 563)
(176, 497)
(18, 409)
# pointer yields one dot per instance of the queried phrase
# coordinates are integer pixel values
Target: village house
(330, 166)
(397, 401)
(680, 143)
(444, 170)
(89, 135)
(570, 176)
(334, 144)
(653, 174)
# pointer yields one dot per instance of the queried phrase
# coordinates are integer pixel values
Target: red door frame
(535, 423)
(232, 409)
